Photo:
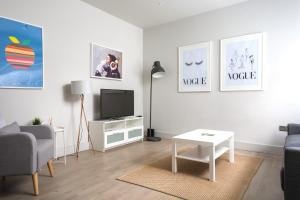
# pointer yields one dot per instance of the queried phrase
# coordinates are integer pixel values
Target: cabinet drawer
(135, 133)
(116, 137)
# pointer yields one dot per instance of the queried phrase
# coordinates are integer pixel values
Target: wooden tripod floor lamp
(81, 88)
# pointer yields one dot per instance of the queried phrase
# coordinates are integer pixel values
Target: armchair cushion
(11, 128)
(45, 152)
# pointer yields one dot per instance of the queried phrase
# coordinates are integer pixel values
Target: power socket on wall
(283, 128)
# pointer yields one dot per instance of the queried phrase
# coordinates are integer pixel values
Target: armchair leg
(50, 167)
(35, 180)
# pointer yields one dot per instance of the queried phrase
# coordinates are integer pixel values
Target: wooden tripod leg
(79, 128)
(87, 127)
(35, 180)
(50, 167)
(78, 143)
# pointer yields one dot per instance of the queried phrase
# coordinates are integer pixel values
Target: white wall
(254, 116)
(69, 28)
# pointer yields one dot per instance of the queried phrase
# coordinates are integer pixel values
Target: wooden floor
(93, 176)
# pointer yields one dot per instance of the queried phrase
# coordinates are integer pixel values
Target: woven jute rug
(191, 181)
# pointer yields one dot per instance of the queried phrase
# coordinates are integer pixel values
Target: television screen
(116, 103)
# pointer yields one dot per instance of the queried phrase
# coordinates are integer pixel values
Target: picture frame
(241, 63)
(194, 67)
(21, 55)
(106, 63)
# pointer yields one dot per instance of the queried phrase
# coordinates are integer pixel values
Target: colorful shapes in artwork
(14, 40)
(20, 56)
(25, 42)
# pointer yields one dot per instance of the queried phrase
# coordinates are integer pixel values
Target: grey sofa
(290, 173)
(24, 150)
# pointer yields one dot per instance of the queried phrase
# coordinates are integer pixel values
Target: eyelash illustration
(188, 64)
(199, 63)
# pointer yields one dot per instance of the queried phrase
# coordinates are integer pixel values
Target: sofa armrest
(39, 131)
(293, 129)
(18, 154)
(291, 172)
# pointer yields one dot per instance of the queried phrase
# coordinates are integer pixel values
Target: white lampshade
(80, 87)
(158, 75)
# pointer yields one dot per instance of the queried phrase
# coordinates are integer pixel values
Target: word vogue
(242, 75)
(194, 81)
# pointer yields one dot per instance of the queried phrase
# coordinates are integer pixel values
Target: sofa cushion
(45, 152)
(292, 141)
(11, 128)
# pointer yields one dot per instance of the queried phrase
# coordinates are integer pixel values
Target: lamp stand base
(151, 136)
(153, 139)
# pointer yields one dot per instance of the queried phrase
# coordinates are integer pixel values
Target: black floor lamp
(156, 72)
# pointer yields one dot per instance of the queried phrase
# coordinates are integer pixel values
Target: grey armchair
(25, 150)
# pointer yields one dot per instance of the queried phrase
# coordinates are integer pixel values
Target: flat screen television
(116, 103)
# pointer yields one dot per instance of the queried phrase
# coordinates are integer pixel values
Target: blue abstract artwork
(21, 55)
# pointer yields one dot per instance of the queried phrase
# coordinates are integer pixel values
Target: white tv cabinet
(107, 134)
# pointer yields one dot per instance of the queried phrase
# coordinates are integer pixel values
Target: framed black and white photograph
(106, 62)
(242, 63)
(194, 67)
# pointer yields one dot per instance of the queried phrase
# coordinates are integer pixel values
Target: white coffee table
(211, 144)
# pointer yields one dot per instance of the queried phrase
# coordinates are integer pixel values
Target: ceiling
(147, 13)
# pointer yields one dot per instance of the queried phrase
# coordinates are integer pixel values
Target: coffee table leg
(231, 150)
(174, 154)
(212, 169)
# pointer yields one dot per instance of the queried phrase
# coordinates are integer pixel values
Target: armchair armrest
(18, 154)
(39, 131)
(293, 129)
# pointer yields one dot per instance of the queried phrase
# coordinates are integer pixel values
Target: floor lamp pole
(157, 72)
(151, 134)
(79, 128)
(151, 131)
(82, 114)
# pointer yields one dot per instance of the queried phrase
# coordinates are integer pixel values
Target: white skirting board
(70, 149)
(242, 145)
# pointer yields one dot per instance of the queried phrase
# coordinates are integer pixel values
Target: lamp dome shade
(80, 87)
(157, 70)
